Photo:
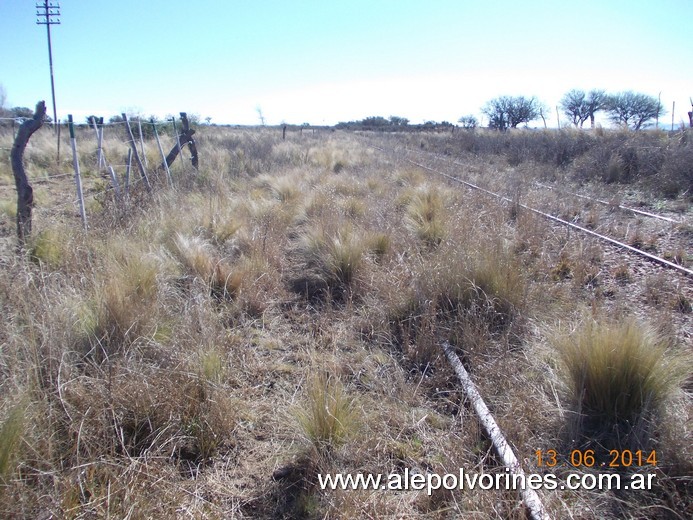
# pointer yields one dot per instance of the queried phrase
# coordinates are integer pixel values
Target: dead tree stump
(25, 193)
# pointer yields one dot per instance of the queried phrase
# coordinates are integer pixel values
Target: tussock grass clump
(285, 188)
(464, 298)
(200, 258)
(328, 417)
(124, 307)
(8, 208)
(48, 247)
(618, 377)
(329, 263)
(426, 216)
(487, 284)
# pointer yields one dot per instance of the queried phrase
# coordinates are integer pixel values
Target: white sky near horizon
(325, 61)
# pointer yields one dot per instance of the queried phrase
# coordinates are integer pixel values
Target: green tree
(575, 107)
(510, 111)
(399, 121)
(633, 109)
(594, 102)
(468, 122)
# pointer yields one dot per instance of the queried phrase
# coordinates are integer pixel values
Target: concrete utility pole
(46, 14)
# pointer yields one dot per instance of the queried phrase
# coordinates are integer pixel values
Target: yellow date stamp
(588, 458)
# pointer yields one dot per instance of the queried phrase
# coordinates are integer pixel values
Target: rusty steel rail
(599, 201)
(606, 203)
(654, 258)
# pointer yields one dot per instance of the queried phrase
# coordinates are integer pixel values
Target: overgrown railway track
(658, 260)
(531, 500)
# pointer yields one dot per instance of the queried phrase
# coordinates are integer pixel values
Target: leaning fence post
(99, 139)
(78, 177)
(133, 147)
(114, 182)
(161, 151)
(144, 155)
(187, 138)
(188, 133)
(127, 172)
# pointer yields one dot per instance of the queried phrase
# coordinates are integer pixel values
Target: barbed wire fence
(139, 136)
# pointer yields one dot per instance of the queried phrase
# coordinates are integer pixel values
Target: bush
(617, 378)
(328, 263)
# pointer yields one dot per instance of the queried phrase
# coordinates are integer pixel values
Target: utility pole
(46, 14)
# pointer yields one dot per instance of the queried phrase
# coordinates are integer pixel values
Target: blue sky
(327, 61)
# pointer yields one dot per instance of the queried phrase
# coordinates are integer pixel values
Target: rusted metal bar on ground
(500, 445)
(25, 193)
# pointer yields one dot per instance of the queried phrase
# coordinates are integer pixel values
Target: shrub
(425, 216)
(200, 258)
(328, 263)
(617, 378)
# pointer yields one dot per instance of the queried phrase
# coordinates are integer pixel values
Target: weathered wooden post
(133, 147)
(284, 132)
(188, 133)
(78, 177)
(185, 138)
(175, 132)
(25, 193)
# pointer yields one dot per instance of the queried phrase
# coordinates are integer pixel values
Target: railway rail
(622, 245)
(561, 190)
(531, 500)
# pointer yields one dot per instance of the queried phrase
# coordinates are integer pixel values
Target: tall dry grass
(160, 356)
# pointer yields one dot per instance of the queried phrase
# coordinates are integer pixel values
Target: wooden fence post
(185, 138)
(190, 141)
(133, 147)
(78, 177)
(175, 132)
(25, 193)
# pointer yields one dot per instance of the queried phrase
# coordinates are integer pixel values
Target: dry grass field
(208, 350)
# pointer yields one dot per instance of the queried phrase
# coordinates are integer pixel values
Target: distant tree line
(391, 124)
(625, 109)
